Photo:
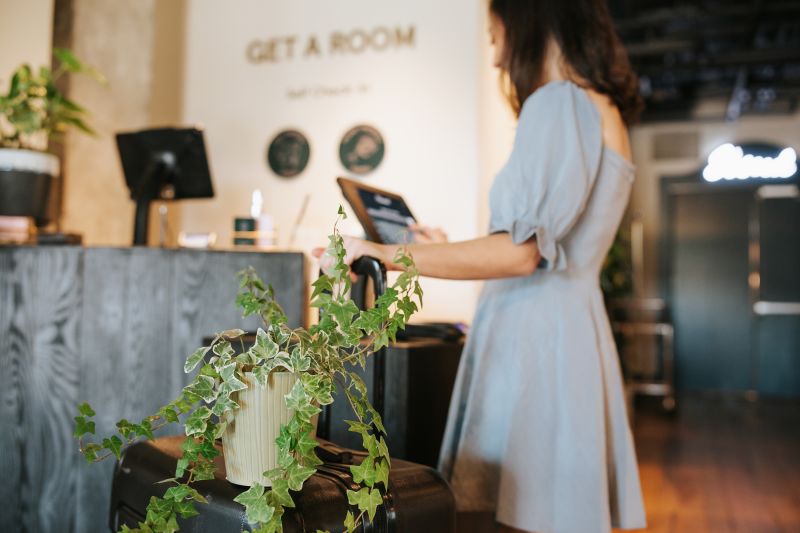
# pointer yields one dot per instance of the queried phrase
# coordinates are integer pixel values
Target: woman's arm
(493, 256)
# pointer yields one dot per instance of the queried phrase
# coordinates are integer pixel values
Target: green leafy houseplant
(616, 279)
(34, 111)
(322, 357)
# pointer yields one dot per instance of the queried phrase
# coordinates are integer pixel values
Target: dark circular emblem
(362, 149)
(288, 153)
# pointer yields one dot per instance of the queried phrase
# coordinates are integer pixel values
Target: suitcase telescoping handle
(374, 270)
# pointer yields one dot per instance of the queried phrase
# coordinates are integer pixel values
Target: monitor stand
(161, 164)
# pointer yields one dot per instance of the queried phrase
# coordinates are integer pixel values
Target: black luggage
(418, 499)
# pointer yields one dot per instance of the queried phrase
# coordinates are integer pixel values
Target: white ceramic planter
(249, 441)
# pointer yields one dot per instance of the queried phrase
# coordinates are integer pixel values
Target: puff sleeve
(547, 181)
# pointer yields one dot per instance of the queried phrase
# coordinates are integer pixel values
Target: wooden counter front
(111, 327)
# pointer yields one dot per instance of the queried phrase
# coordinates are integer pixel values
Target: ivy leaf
(197, 421)
(367, 499)
(306, 444)
(114, 445)
(273, 526)
(204, 387)
(125, 428)
(350, 522)
(364, 474)
(343, 312)
(323, 284)
(186, 509)
(86, 410)
(280, 491)
(193, 360)
(144, 429)
(264, 347)
(169, 414)
(383, 449)
(300, 361)
(251, 495)
(376, 418)
(83, 426)
(261, 374)
(177, 493)
(158, 510)
(225, 352)
(297, 400)
(224, 404)
(357, 427)
(297, 475)
(382, 472)
(228, 375)
(370, 444)
(232, 334)
(281, 360)
(90, 452)
(358, 383)
(180, 469)
(257, 508)
(203, 470)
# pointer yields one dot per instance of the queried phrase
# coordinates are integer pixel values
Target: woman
(537, 430)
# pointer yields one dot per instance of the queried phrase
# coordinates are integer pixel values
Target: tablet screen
(390, 216)
(384, 215)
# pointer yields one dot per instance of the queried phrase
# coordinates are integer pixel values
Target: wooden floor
(720, 465)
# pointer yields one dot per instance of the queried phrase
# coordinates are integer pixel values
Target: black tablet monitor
(384, 215)
(163, 164)
(182, 152)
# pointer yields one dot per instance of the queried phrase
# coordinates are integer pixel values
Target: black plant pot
(26, 178)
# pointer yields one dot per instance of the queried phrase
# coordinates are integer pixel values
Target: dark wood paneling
(39, 363)
(112, 327)
(11, 342)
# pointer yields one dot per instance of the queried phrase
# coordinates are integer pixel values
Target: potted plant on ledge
(33, 113)
(263, 402)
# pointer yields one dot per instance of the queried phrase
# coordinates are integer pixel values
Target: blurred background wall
(709, 75)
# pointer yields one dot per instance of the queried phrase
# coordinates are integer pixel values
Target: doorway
(731, 263)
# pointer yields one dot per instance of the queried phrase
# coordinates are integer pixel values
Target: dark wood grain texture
(10, 399)
(112, 327)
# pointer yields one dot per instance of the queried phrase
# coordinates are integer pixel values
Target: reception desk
(111, 327)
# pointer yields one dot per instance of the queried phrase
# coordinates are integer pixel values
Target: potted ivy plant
(32, 113)
(315, 361)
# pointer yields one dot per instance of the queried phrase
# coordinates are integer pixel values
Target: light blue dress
(537, 429)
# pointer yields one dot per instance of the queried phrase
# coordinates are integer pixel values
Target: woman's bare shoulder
(615, 132)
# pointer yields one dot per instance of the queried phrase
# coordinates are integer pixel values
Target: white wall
(780, 130)
(425, 100)
(26, 34)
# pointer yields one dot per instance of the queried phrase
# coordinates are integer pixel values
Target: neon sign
(729, 162)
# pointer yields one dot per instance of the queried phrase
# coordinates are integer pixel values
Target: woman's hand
(355, 248)
(427, 235)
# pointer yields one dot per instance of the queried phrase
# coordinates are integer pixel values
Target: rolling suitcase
(418, 500)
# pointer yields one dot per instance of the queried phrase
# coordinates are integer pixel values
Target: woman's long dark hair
(584, 32)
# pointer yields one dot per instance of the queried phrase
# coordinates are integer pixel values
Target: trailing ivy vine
(323, 358)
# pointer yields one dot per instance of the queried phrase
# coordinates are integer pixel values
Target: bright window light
(729, 162)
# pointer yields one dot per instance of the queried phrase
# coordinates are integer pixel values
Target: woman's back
(563, 183)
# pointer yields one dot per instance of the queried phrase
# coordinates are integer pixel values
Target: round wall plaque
(362, 149)
(288, 153)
